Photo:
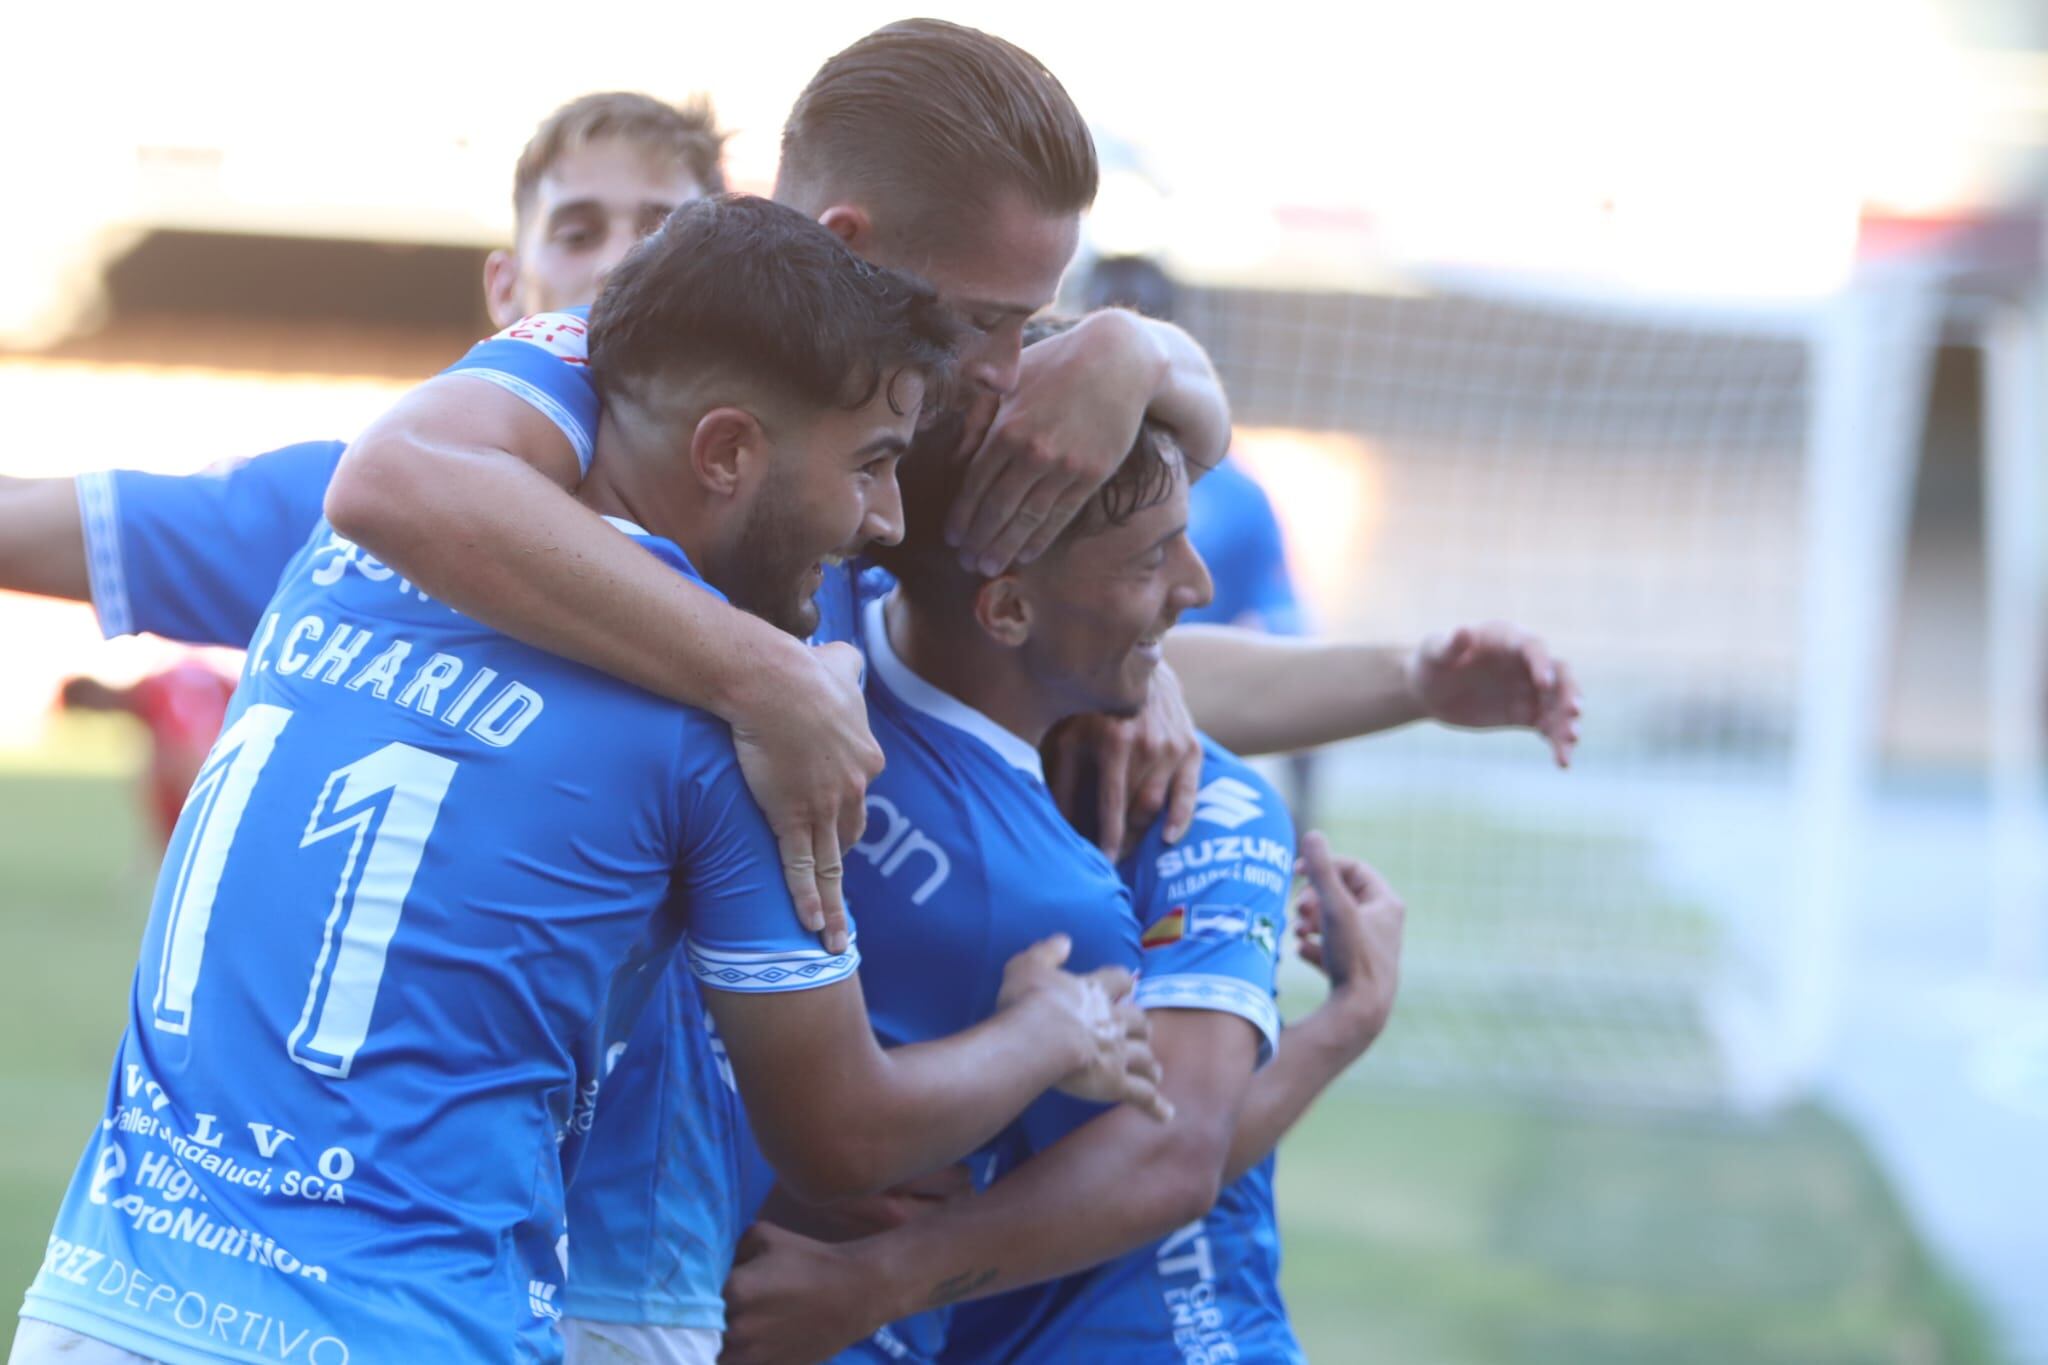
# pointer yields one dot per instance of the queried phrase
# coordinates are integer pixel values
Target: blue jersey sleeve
(1214, 906)
(544, 360)
(741, 931)
(196, 557)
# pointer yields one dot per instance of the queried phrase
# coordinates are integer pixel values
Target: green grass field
(1418, 1233)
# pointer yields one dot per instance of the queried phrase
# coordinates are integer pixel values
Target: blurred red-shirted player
(183, 706)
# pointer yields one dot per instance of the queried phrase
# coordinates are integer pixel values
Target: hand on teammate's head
(1080, 398)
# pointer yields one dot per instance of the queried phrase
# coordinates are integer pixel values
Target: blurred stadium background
(1712, 345)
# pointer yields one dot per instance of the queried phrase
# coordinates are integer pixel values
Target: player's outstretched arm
(837, 1115)
(1113, 1185)
(1350, 929)
(42, 539)
(461, 488)
(1264, 694)
(1071, 421)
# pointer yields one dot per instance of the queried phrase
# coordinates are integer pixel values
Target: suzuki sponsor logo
(1228, 802)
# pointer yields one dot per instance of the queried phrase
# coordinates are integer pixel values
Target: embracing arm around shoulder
(461, 488)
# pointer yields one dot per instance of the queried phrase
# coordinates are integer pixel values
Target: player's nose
(883, 524)
(996, 363)
(1196, 588)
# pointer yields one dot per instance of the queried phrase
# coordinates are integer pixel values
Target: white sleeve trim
(99, 516)
(761, 973)
(1223, 994)
(549, 406)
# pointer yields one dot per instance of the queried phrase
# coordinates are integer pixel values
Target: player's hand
(808, 756)
(1079, 400)
(1138, 767)
(1093, 1015)
(792, 1300)
(1350, 927)
(845, 1219)
(1495, 675)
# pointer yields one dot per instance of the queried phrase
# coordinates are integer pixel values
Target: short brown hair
(748, 290)
(686, 131)
(936, 120)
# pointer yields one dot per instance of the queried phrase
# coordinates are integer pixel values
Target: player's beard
(770, 572)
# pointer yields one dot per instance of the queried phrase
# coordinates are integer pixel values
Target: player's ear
(1003, 609)
(727, 450)
(501, 288)
(851, 225)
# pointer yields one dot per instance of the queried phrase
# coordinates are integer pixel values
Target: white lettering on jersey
(1199, 1332)
(892, 841)
(1225, 851)
(497, 713)
(344, 554)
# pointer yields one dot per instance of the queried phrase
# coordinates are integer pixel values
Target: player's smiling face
(828, 492)
(1102, 601)
(589, 209)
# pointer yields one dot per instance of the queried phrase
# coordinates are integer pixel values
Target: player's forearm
(1117, 1184)
(42, 539)
(933, 1103)
(1264, 694)
(1189, 396)
(498, 541)
(1313, 1052)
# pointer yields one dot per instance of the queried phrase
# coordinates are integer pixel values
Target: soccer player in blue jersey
(967, 854)
(358, 1027)
(994, 661)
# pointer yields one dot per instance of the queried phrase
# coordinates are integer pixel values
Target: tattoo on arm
(958, 1287)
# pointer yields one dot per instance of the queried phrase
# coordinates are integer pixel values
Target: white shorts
(591, 1342)
(44, 1343)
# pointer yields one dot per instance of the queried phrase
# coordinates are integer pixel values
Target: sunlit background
(1706, 340)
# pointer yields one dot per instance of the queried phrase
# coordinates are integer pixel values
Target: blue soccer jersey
(967, 861)
(1231, 522)
(1214, 907)
(197, 557)
(415, 868)
(647, 1246)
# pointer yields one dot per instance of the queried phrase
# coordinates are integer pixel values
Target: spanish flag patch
(1168, 928)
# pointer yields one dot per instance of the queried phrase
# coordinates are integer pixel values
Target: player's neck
(966, 665)
(610, 491)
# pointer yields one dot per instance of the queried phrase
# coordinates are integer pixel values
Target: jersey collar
(920, 695)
